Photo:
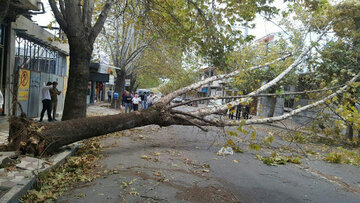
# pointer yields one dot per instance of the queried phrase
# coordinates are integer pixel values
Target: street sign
(127, 82)
(24, 82)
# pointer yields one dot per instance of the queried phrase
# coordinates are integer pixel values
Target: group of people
(239, 111)
(49, 100)
(132, 101)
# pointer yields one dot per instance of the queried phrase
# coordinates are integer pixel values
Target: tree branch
(168, 98)
(296, 111)
(59, 17)
(208, 111)
(100, 22)
(258, 95)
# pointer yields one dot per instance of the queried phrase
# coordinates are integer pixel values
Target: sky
(263, 27)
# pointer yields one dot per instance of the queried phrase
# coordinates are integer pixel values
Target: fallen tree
(30, 137)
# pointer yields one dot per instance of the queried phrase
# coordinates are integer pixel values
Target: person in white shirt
(46, 101)
(136, 100)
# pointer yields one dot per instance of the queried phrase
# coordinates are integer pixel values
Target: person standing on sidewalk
(136, 100)
(143, 100)
(110, 93)
(150, 100)
(46, 101)
(54, 92)
(127, 102)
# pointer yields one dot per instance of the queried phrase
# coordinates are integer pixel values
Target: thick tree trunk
(4, 7)
(75, 100)
(31, 137)
(133, 87)
(119, 87)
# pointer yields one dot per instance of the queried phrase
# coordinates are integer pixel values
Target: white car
(213, 102)
(178, 100)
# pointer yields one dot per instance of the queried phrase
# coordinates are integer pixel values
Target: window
(35, 56)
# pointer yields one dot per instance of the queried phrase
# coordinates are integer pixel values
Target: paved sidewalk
(18, 172)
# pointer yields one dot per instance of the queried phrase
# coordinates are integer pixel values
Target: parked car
(188, 99)
(177, 100)
(140, 91)
(213, 102)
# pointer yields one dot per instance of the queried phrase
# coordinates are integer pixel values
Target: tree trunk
(132, 87)
(119, 87)
(4, 9)
(350, 132)
(272, 103)
(75, 100)
(31, 137)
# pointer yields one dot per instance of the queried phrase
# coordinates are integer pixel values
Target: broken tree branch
(296, 111)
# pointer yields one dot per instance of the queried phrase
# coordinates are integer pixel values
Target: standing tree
(4, 9)
(124, 41)
(75, 18)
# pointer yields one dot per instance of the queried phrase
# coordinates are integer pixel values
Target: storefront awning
(99, 77)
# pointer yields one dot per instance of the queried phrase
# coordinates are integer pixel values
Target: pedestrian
(123, 98)
(46, 101)
(54, 92)
(135, 101)
(143, 97)
(246, 111)
(1, 101)
(238, 112)
(150, 100)
(110, 93)
(127, 102)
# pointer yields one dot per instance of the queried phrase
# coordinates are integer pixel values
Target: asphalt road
(179, 164)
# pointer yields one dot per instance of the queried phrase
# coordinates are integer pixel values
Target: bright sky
(263, 27)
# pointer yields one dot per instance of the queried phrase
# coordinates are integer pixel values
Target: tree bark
(75, 100)
(31, 137)
(119, 87)
(4, 9)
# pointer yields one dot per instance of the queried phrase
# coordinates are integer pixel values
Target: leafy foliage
(77, 169)
(275, 159)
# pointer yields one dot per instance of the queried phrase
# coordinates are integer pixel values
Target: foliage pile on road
(77, 169)
(346, 156)
(275, 159)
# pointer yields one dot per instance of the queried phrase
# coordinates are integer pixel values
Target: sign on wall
(24, 82)
(127, 82)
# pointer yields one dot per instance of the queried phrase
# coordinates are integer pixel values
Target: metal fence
(45, 65)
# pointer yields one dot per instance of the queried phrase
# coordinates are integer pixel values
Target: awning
(99, 77)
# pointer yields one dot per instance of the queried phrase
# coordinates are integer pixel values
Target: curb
(20, 189)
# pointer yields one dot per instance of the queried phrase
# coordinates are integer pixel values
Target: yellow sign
(24, 79)
(24, 83)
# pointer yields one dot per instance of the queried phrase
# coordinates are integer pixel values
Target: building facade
(30, 57)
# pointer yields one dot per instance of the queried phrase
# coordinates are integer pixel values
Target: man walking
(127, 102)
(46, 101)
(54, 92)
(136, 100)
(150, 100)
(110, 93)
(143, 97)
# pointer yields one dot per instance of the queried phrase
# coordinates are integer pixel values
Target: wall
(263, 106)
